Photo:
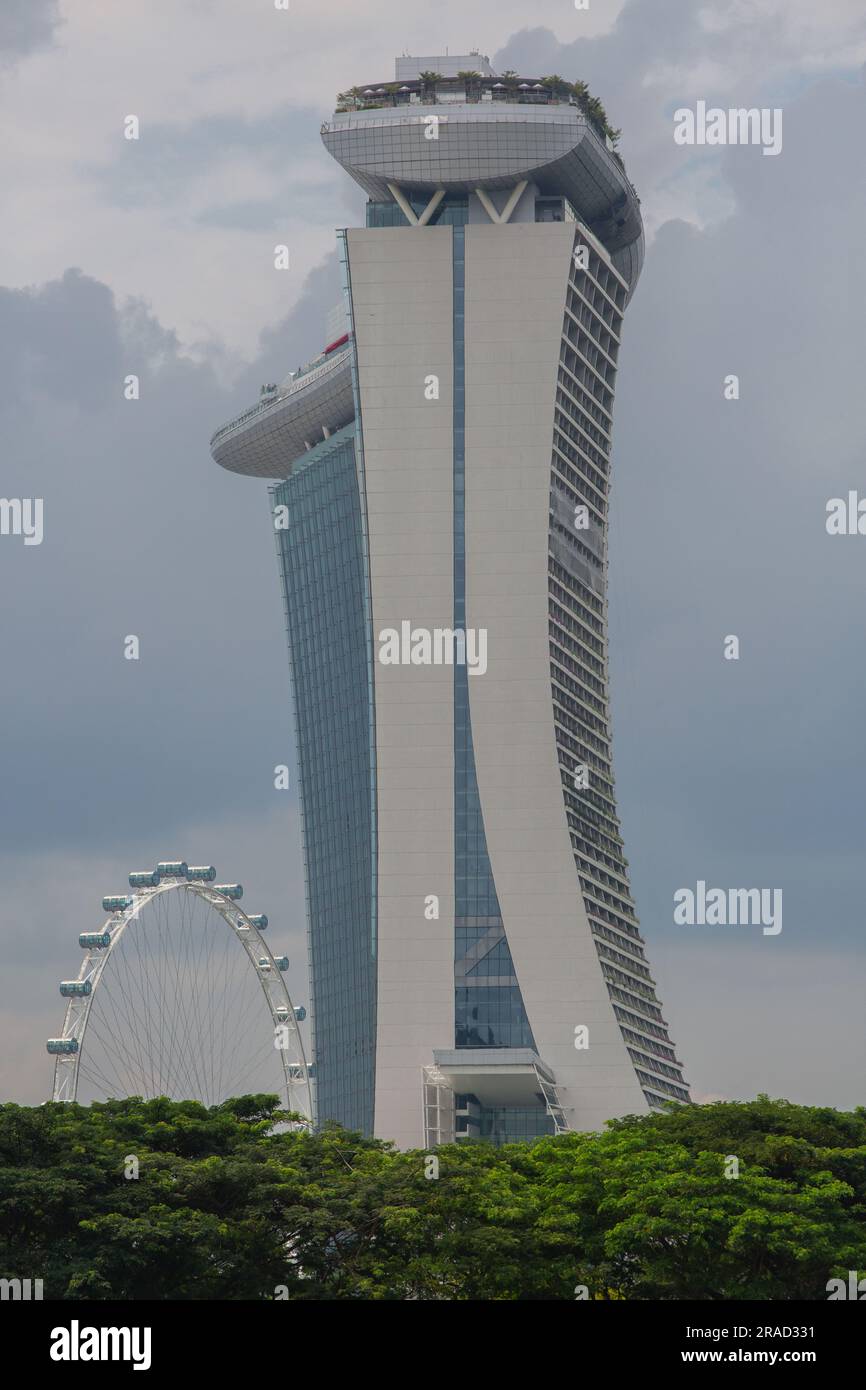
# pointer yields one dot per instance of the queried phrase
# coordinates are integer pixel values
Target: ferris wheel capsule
(60, 1047)
(72, 989)
(281, 962)
(94, 940)
(201, 873)
(229, 890)
(172, 868)
(117, 902)
(258, 920)
(146, 878)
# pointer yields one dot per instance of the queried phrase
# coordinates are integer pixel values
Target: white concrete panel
(402, 299)
(516, 278)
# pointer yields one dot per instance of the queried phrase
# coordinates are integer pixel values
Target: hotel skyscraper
(476, 965)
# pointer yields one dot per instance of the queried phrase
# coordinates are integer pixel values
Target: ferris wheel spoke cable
(164, 949)
(89, 1064)
(242, 1028)
(217, 1010)
(133, 979)
(184, 1016)
(169, 989)
(220, 1004)
(150, 962)
(196, 1022)
(239, 991)
(131, 1019)
(215, 1007)
(123, 1039)
(134, 983)
(208, 936)
(239, 987)
(195, 938)
(122, 1034)
(128, 1079)
(234, 1029)
(91, 1071)
(260, 1050)
(203, 936)
(181, 1043)
(246, 1070)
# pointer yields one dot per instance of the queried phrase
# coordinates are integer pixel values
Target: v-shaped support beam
(407, 209)
(505, 215)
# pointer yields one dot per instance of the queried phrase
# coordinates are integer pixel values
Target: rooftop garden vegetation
(430, 87)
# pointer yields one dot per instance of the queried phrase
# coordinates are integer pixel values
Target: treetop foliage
(228, 1203)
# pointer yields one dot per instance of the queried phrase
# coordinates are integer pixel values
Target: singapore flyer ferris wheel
(178, 995)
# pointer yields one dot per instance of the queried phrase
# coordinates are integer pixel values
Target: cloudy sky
(155, 257)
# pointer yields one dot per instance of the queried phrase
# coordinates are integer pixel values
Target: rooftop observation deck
(462, 134)
(288, 420)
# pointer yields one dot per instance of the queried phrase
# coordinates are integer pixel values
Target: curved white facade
(519, 275)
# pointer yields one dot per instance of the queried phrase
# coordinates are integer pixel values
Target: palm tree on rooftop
(556, 85)
(428, 83)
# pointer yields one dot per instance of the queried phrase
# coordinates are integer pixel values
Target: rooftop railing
(304, 376)
(451, 97)
(477, 90)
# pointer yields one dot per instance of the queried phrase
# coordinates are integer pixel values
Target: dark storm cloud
(26, 25)
(143, 535)
(748, 772)
(60, 342)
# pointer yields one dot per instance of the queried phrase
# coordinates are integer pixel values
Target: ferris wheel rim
(95, 960)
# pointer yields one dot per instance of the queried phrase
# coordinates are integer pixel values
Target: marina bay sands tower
(440, 481)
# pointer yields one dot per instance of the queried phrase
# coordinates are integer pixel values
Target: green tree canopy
(229, 1203)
